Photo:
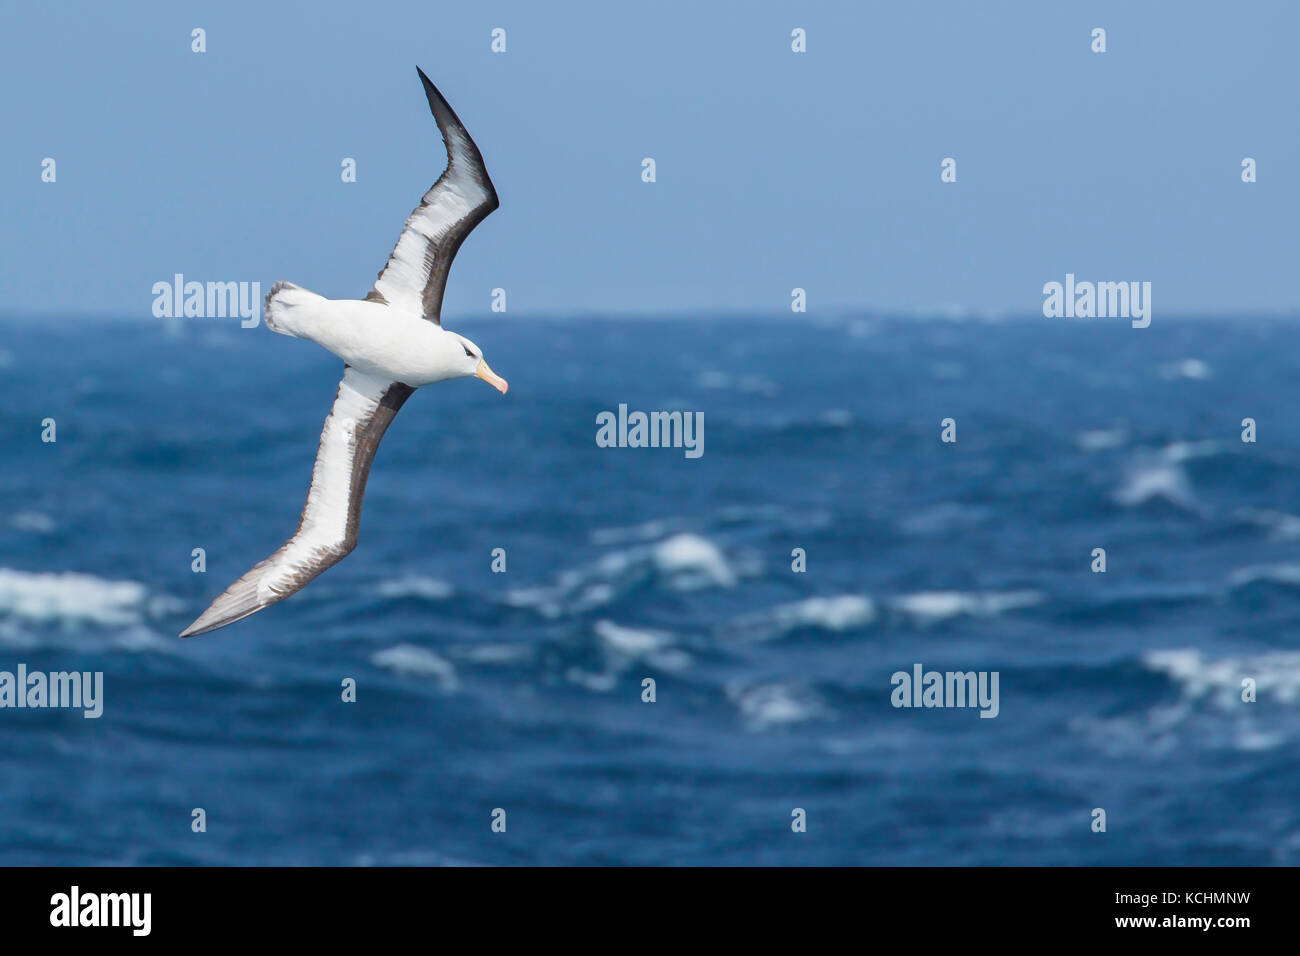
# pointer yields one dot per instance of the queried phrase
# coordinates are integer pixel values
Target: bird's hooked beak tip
(491, 377)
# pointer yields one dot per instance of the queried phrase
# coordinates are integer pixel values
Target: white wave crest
(71, 599)
(411, 661)
(621, 647)
(1276, 675)
(35, 522)
(764, 706)
(1101, 439)
(1284, 573)
(429, 589)
(836, 613)
(930, 607)
(1152, 478)
(1189, 368)
(691, 562)
(1209, 712)
(683, 562)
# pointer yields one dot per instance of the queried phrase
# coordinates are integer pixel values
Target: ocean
(516, 696)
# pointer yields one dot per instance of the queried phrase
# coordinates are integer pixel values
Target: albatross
(391, 342)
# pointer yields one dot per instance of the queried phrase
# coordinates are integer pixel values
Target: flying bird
(392, 342)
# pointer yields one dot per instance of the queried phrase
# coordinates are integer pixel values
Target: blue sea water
(522, 690)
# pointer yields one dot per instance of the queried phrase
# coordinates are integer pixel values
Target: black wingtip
(449, 125)
(442, 110)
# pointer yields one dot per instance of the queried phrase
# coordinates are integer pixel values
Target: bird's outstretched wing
(416, 273)
(363, 407)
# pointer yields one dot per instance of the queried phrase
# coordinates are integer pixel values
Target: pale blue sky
(775, 170)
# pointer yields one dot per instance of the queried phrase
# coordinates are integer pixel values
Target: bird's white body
(372, 337)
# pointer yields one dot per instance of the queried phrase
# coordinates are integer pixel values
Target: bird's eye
(467, 351)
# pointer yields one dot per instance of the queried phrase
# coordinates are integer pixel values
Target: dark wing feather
(415, 275)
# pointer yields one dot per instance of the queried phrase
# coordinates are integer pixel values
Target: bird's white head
(472, 363)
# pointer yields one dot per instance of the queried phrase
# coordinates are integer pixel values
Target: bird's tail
(289, 307)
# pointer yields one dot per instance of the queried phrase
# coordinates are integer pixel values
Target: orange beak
(491, 377)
